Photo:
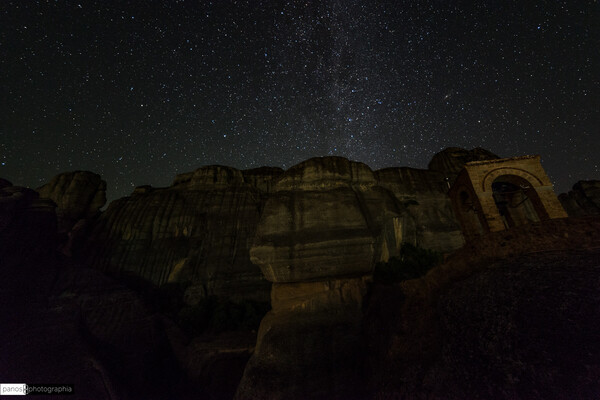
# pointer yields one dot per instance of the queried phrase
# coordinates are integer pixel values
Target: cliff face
(78, 195)
(583, 200)
(319, 235)
(311, 236)
(199, 230)
(428, 220)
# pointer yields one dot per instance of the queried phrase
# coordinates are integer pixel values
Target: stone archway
(493, 195)
(517, 201)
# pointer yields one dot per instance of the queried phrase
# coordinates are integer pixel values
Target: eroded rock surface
(199, 230)
(78, 195)
(427, 220)
(319, 236)
(583, 200)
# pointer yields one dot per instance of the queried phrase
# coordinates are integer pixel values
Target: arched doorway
(517, 201)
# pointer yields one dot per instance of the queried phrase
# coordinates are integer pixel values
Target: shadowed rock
(199, 230)
(78, 195)
(583, 200)
(512, 316)
(452, 159)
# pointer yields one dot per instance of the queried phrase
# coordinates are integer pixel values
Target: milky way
(140, 91)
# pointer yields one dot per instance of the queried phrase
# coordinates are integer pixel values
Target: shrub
(412, 263)
(216, 315)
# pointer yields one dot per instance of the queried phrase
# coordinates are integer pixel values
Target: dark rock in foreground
(507, 318)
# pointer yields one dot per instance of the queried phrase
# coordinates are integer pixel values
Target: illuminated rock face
(323, 220)
(331, 217)
(326, 224)
(318, 237)
(198, 230)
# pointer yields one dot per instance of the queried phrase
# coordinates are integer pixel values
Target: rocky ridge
(310, 236)
(201, 228)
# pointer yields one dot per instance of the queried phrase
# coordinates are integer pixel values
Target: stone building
(494, 195)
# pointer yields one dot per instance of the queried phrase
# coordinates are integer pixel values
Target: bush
(216, 315)
(414, 262)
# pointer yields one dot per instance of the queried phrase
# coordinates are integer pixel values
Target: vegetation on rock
(414, 262)
(216, 315)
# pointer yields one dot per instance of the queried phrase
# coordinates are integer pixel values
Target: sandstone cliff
(78, 195)
(427, 220)
(584, 199)
(319, 235)
(201, 228)
(198, 230)
(326, 224)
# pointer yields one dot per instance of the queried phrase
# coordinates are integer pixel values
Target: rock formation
(78, 195)
(198, 230)
(64, 323)
(584, 199)
(452, 159)
(326, 224)
(311, 236)
(427, 220)
(201, 228)
(318, 238)
(511, 316)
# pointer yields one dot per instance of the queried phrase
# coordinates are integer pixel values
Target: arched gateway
(493, 195)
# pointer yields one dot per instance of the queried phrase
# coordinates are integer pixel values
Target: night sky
(139, 91)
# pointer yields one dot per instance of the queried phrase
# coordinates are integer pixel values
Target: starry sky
(139, 91)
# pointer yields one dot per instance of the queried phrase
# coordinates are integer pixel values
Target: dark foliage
(215, 315)
(211, 315)
(413, 263)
